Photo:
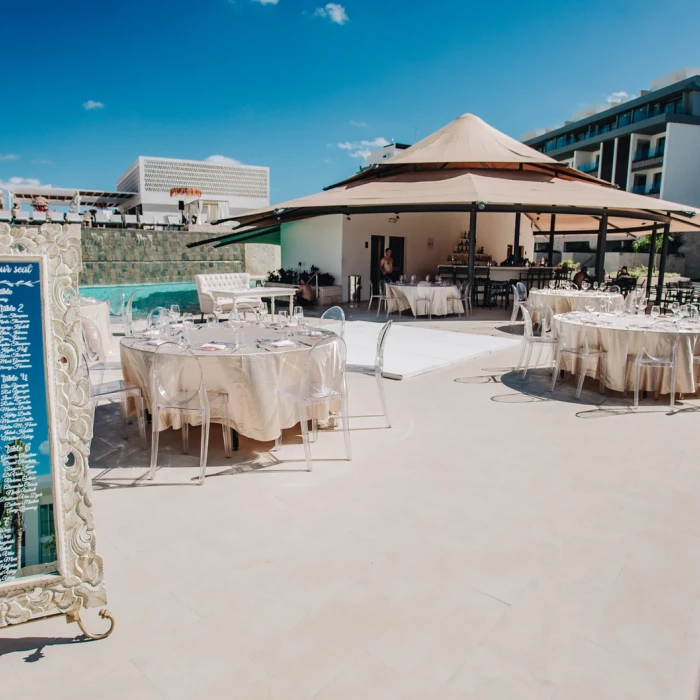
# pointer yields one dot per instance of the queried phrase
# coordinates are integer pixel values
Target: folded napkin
(211, 346)
(281, 343)
(156, 342)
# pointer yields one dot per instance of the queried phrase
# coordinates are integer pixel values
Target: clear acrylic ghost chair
(424, 300)
(381, 297)
(530, 340)
(158, 319)
(659, 349)
(128, 314)
(177, 385)
(519, 300)
(377, 369)
(333, 319)
(323, 382)
(465, 296)
(93, 357)
(614, 289)
(580, 349)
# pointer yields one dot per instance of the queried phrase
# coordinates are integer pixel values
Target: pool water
(147, 296)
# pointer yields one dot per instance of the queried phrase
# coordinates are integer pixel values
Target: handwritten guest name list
(23, 406)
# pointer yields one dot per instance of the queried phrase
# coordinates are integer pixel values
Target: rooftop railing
(589, 167)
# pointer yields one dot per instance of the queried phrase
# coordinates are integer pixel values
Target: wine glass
(595, 286)
(603, 286)
(427, 278)
(619, 312)
(641, 304)
(187, 326)
(298, 313)
(590, 307)
(675, 308)
(585, 286)
(211, 320)
(552, 284)
(218, 309)
(174, 312)
(283, 318)
(655, 311)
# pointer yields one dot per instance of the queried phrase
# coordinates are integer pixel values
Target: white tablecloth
(562, 301)
(251, 376)
(98, 313)
(444, 299)
(623, 340)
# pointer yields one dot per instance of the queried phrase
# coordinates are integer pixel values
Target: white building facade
(649, 144)
(226, 190)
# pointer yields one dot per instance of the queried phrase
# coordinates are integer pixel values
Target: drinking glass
(218, 310)
(603, 286)
(266, 319)
(590, 307)
(619, 313)
(655, 311)
(298, 313)
(284, 318)
(402, 279)
(210, 320)
(675, 308)
(303, 324)
(174, 312)
(585, 286)
(595, 286)
(427, 278)
(641, 304)
(552, 284)
(187, 327)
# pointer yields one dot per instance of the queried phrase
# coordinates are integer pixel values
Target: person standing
(386, 266)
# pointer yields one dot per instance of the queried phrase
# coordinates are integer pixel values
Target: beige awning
(468, 165)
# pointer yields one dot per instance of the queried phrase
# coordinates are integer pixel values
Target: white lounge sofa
(73, 217)
(227, 281)
(5, 216)
(39, 217)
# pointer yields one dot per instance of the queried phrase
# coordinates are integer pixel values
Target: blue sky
(281, 83)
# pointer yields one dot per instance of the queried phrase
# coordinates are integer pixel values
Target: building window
(542, 247)
(619, 247)
(47, 533)
(577, 247)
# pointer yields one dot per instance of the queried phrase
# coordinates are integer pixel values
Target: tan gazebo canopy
(468, 166)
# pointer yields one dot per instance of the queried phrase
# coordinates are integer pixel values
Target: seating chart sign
(48, 560)
(27, 528)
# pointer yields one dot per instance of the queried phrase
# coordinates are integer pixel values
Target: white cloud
(361, 125)
(267, 2)
(361, 149)
(9, 156)
(334, 12)
(22, 182)
(619, 96)
(44, 448)
(222, 160)
(92, 105)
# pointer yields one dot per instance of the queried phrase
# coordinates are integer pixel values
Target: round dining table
(443, 299)
(261, 374)
(621, 337)
(564, 300)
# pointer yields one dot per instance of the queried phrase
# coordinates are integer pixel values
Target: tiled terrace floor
(498, 543)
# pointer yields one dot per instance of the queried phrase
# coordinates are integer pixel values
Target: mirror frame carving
(79, 582)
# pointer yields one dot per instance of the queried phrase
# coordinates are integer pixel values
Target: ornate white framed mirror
(48, 562)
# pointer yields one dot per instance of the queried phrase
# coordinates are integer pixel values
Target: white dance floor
(411, 351)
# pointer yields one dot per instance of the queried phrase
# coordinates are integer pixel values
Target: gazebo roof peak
(469, 139)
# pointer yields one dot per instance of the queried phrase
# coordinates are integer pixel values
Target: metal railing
(654, 188)
(648, 153)
(588, 167)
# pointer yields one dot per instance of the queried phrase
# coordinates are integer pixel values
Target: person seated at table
(305, 293)
(582, 276)
(542, 262)
(623, 272)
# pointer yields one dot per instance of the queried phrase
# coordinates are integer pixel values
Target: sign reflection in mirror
(27, 528)
(48, 562)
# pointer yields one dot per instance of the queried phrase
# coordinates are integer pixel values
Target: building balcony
(589, 167)
(648, 153)
(652, 190)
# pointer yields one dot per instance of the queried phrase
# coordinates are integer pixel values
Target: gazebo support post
(662, 263)
(550, 251)
(516, 241)
(472, 244)
(600, 254)
(652, 259)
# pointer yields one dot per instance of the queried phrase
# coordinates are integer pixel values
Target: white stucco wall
(681, 173)
(314, 242)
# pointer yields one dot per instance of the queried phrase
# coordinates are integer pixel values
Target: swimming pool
(146, 296)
